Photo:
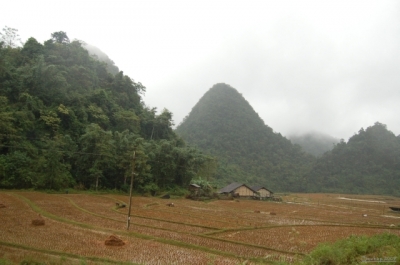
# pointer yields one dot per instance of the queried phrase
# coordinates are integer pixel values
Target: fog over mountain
(101, 56)
(314, 143)
(327, 66)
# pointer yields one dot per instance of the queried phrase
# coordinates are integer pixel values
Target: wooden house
(194, 189)
(262, 191)
(237, 190)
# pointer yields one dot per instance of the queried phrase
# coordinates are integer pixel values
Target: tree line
(65, 121)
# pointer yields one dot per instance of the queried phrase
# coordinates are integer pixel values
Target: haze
(327, 66)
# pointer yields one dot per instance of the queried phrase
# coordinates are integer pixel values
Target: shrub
(356, 249)
(5, 262)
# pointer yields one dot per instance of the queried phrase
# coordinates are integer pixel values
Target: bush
(177, 191)
(355, 250)
(5, 262)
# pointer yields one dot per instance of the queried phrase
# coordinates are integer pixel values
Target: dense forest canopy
(224, 125)
(368, 163)
(70, 120)
(65, 121)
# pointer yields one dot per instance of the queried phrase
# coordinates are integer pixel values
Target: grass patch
(356, 250)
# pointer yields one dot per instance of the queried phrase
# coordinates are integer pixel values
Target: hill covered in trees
(65, 121)
(368, 163)
(224, 124)
(101, 56)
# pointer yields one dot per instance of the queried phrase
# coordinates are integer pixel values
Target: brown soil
(38, 222)
(114, 241)
(2, 205)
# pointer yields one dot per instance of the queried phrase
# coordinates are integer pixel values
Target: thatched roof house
(264, 192)
(238, 189)
(194, 187)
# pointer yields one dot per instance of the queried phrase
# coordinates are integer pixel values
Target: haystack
(114, 241)
(38, 222)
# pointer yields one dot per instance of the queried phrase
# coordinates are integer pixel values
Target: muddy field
(73, 228)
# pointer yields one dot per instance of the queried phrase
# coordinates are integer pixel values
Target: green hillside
(101, 56)
(224, 124)
(368, 163)
(65, 121)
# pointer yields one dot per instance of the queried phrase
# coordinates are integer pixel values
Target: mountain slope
(101, 56)
(66, 122)
(224, 124)
(368, 163)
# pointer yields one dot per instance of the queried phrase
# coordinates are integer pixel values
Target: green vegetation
(101, 56)
(65, 121)
(368, 163)
(382, 248)
(224, 124)
(68, 120)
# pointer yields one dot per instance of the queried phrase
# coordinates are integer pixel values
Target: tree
(6, 119)
(99, 148)
(54, 169)
(10, 37)
(126, 144)
(32, 48)
(60, 37)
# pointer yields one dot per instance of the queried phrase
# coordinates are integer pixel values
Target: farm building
(238, 189)
(194, 189)
(262, 191)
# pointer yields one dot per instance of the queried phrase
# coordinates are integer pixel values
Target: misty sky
(327, 66)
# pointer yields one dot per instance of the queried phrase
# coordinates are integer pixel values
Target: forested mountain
(66, 121)
(224, 124)
(368, 163)
(314, 143)
(101, 56)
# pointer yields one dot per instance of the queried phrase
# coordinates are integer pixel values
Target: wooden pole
(130, 192)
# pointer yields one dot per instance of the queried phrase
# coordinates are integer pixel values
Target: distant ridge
(224, 124)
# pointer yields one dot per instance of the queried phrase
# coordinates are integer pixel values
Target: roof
(257, 188)
(233, 186)
(396, 209)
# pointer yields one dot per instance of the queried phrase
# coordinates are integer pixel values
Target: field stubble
(217, 232)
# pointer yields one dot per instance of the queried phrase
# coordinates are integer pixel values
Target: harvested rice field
(74, 228)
